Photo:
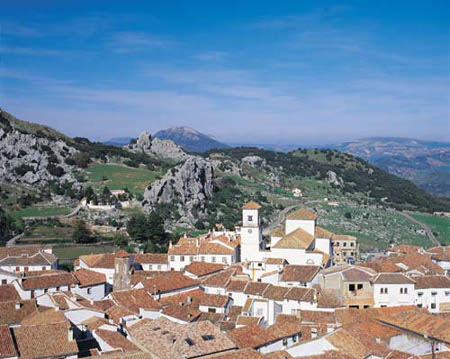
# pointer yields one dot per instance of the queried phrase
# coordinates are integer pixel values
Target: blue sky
(296, 72)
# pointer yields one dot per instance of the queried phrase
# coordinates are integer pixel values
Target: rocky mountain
(190, 139)
(188, 187)
(426, 163)
(156, 147)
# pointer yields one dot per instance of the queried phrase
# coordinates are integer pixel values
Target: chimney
(197, 241)
(18, 305)
(70, 334)
(189, 300)
(378, 340)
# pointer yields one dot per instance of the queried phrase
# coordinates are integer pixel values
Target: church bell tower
(251, 234)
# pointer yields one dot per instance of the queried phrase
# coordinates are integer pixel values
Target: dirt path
(427, 229)
(12, 241)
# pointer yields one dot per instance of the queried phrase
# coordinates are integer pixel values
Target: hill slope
(426, 163)
(189, 139)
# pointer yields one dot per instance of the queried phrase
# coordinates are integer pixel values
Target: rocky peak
(156, 147)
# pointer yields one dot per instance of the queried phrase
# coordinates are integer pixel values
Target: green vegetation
(73, 252)
(117, 176)
(7, 226)
(47, 233)
(439, 225)
(81, 233)
(41, 211)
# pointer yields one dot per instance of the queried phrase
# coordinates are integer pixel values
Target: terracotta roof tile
(168, 282)
(302, 214)
(302, 294)
(7, 348)
(151, 258)
(116, 340)
(13, 312)
(48, 280)
(134, 300)
(246, 320)
(50, 316)
(201, 269)
(298, 239)
(276, 292)
(44, 341)
(219, 279)
(392, 278)
(237, 286)
(88, 277)
(116, 312)
(241, 354)
(256, 288)
(432, 281)
(251, 205)
(323, 233)
(8, 292)
(299, 273)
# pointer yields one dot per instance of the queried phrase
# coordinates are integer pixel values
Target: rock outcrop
(333, 178)
(32, 160)
(156, 147)
(188, 185)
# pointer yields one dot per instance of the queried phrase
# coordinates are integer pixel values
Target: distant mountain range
(426, 163)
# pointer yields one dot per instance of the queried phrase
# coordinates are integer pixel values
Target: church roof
(302, 214)
(298, 239)
(278, 231)
(251, 205)
(323, 233)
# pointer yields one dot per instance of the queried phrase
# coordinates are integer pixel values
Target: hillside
(189, 139)
(426, 163)
(45, 173)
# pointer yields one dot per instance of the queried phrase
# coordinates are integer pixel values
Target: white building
(433, 292)
(20, 259)
(151, 262)
(392, 290)
(296, 241)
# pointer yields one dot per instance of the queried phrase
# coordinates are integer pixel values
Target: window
(17, 269)
(401, 290)
(172, 258)
(405, 290)
(352, 244)
(383, 290)
(383, 306)
(211, 310)
(351, 287)
(208, 337)
(213, 259)
(32, 294)
(259, 264)
(433, 293)
(337, 244)
(419, 294)
(259, 312)
(181, 258)
(202, 258)
(344, 244)
(44, 268)
(419, 305)
(26, 269)
(57, 289)
(447, 294)
(285, 341)
(150, 267)
(294, 338)
(433, 305)
(159, 267)
(360, 286)
(191, 258)
(45, 290)
(4, 281)
(250, 218)
(224, 260)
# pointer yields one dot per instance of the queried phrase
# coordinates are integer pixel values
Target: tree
(6, 226)
(155, 225)
(120, 240)
(81, 233)
(348, 215)
(142, 228)
(81, 159)
(137, 228)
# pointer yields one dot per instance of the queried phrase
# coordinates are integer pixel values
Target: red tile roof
(134, 300)
(116, 340)
(48, 280)
(8, 292)
(151, 258)
(299, 273)
(168, 282)
(251, 205)
(432, 281)
(7, 348)
(201, 269)
(302, 214)
(88, 277)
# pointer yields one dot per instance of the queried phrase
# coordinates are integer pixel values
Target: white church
(299, 240)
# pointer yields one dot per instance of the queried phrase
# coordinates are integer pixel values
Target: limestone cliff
(188, 185)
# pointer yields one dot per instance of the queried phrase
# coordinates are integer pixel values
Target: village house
(151, 262)
(27, 258)
(345, 249)
(393, 289)
(197, 270)
(34, 284)
(352, 283)
(90, 284)
(441, 256)
(432, 292)
(210, 249)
